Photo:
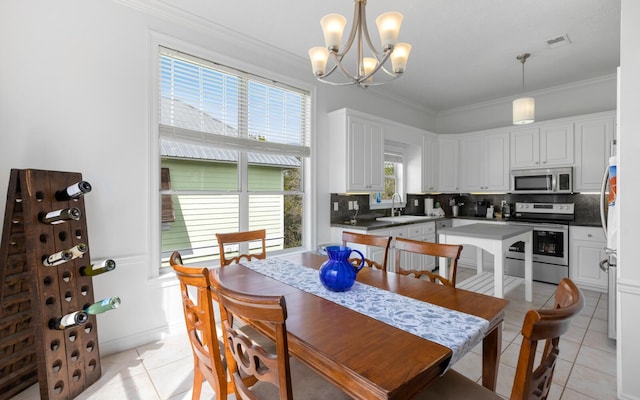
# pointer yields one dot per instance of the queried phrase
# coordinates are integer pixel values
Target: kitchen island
(495, 239)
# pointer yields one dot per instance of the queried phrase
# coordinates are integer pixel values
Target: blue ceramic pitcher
(337, 273)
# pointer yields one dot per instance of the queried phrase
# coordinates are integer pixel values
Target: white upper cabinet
(594, 138)
(357, 155)
(484, 162)
(545, 146)
(430, 163)
(448, 165)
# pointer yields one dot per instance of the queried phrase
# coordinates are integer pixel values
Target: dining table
(369, 358)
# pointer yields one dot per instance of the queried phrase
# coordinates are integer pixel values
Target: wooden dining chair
(225, 239)
(530, 382)
(208, 351)
(369, 240)
(279, 376)
(449, 251)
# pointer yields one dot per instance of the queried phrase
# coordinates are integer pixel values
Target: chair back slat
(225, 239)
(449, 251)
(368, 240)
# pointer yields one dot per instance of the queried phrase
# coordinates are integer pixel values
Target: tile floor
(586, 367)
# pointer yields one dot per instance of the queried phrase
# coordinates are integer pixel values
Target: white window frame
(158, 40)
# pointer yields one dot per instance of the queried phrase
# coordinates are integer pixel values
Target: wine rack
(64, 362)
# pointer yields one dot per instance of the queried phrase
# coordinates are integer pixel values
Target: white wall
(629, 193)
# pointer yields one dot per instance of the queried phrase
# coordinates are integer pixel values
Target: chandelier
(365, 67)
(524, 108)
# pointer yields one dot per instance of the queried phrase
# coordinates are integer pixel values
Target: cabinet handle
(589, 235)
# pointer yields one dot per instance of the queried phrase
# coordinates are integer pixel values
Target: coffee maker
(480, 208)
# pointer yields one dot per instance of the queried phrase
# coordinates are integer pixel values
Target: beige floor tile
(470, 366)
(569, 394)
(173, 378)
(506, 374)
(600, 360)
(598, 325)
(599, 340)
(555, 391)
(575, 334)
(592, 383)
(173, 348)
(138, 387)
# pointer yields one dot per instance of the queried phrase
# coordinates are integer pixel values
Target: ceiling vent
(558, 41)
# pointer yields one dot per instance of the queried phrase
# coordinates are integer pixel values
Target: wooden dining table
(367, 358)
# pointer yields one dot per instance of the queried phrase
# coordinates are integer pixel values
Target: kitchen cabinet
(357, 155)
(594, 139)
(484, 162)
(545, 146)
(586, 250)
(430, 163)
(448, 165)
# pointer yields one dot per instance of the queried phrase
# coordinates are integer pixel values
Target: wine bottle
(69, 320)
(57, 258)
(78, 250)
(74, 191)
(63, 256)
(103, 305)
(99, 268)
(59, 216)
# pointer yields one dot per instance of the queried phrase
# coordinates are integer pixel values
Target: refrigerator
(609, 217)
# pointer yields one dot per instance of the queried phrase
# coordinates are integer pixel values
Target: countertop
(487, 231)
(369, 224)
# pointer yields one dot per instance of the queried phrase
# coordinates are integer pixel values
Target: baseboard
(138, 339)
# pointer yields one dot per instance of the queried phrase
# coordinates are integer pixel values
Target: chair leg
(198, 377)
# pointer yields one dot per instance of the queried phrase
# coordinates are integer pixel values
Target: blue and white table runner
(454, 329)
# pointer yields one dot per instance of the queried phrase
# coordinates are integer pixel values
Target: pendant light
(524, 108)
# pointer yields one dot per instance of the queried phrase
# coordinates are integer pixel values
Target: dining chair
(278, 375)
(225, 239)
(449, 251)
(369, 240)
(208, 351)
(530, 382)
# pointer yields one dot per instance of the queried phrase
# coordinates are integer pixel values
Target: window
(393, 179)
(232, 151)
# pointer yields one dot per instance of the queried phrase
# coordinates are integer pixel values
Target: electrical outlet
(335, 206)
(350, 205)
(415, 202)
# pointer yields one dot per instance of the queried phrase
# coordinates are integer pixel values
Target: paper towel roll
(428, 206)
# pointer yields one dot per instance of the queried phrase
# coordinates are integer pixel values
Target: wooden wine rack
(64, 362)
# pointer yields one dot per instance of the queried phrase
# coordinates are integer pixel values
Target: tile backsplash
(587, 210)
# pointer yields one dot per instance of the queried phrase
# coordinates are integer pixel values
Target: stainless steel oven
(550, 241)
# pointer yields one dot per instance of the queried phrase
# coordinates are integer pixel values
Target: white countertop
(486, 231)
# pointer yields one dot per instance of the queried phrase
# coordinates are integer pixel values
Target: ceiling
(464, 51)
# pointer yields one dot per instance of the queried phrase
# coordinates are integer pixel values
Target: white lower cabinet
(586, 250)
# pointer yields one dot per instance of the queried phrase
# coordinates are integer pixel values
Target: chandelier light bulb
(319, 56)
(389, 28)
(332, 27)
(369, 64)
(399, 57)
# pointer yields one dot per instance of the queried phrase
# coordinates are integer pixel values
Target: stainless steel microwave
(542, 180)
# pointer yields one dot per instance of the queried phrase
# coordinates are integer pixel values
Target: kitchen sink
(406, 218)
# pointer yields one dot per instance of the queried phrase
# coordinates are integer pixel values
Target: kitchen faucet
(393, 203)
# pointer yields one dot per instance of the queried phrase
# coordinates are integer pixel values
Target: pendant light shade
(524, 108)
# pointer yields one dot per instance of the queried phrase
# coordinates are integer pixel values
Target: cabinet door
(586, 250)
(365, 163)
(525, 148)
(497, 162)
(556, 145)
(472, 163)
(429, 164)
(593, 149)
(448, 164)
